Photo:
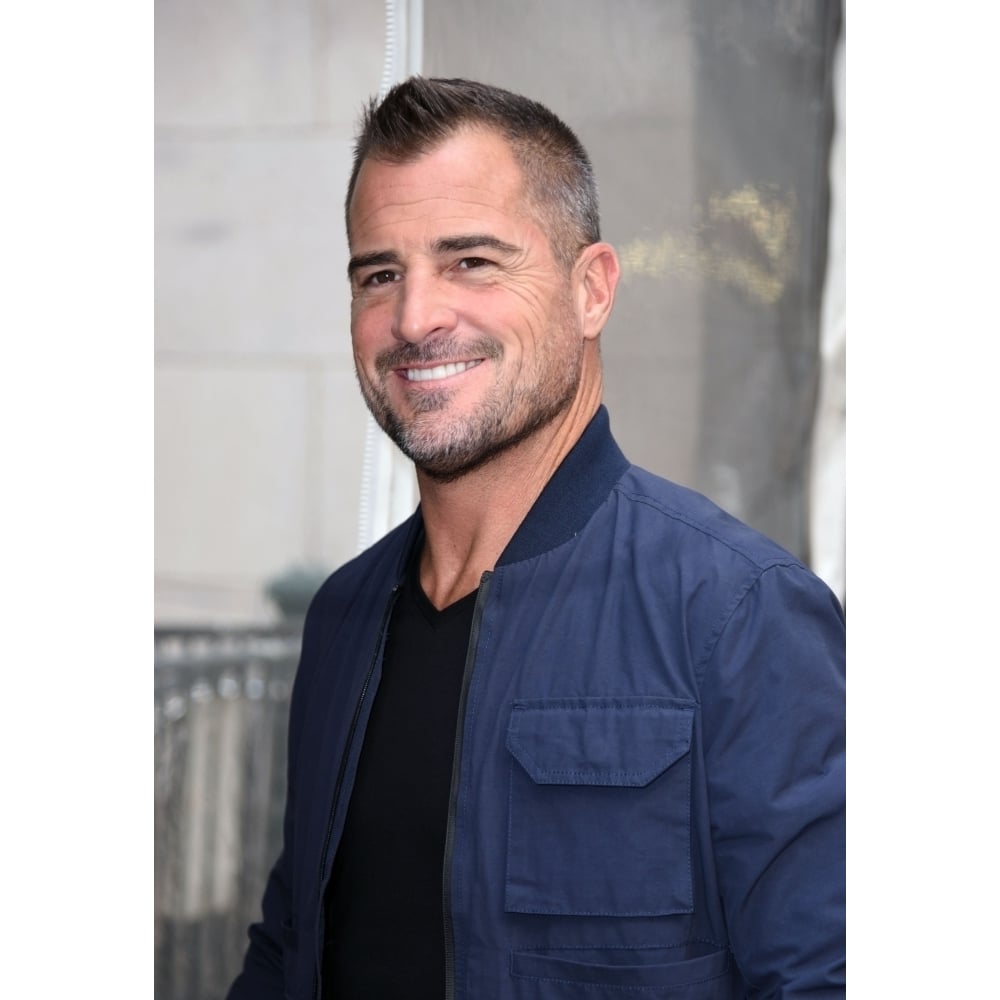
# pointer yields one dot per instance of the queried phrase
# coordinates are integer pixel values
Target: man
(571, 730)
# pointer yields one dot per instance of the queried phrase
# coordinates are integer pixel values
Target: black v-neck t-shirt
(384, 932)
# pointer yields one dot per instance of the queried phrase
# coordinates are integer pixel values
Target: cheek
(364, 335)
(532, 309)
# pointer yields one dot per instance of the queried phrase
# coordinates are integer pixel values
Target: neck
(468, 522)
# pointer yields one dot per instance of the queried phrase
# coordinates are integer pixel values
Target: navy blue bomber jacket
(648, 790)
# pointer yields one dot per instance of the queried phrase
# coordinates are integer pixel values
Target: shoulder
(665, 511)
(360, 586)
(385, 556)
(688, 549)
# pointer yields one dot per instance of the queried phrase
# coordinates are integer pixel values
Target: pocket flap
(597, 741)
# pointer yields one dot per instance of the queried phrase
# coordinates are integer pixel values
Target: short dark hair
(420, 113)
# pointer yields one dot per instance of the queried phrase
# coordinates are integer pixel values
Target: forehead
(471, 178)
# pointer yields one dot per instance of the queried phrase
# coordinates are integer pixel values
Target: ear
(597, 271)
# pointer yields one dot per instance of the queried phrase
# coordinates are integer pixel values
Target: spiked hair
(420, 113)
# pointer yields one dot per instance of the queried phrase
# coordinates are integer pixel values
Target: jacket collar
(579, 486)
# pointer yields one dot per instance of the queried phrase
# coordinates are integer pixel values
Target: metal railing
(220, 725)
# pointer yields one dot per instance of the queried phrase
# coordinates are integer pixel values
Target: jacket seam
(652, 946)
(718, 630)
(785, 559)
(614, 986)
(726, 617)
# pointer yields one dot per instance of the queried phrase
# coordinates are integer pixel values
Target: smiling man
(473, 280)
(571, 730)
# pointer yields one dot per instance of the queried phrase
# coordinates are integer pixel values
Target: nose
(423, 308)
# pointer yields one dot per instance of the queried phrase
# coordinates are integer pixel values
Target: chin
(445, 462)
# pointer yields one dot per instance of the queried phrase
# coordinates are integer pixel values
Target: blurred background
(717, 134)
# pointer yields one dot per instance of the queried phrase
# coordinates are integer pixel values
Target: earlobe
(599, 272)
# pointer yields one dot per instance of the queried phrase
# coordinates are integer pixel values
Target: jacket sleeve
(262, 977)
(774, 746)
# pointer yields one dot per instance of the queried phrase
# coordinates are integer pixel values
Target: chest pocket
(600, 807)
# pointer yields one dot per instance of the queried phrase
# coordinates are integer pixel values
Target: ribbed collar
(579, 486)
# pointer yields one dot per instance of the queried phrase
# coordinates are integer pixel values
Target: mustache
(433, 352)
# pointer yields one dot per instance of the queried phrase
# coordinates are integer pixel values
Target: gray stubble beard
(484, 436)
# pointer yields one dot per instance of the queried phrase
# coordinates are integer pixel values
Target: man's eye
(380, 278)
(468, 263)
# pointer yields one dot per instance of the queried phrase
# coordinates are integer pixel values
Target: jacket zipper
(456, 767)
(341, 774)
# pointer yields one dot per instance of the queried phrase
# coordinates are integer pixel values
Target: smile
(439, 371)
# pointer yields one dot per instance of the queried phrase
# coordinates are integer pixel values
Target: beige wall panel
(336, 487)
(233, 63)
(250, 252)
(236, 64)
(231, 485)
(258, 471)
(350, 59)
(259, 426)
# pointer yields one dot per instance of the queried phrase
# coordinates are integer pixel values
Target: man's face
(464, 332)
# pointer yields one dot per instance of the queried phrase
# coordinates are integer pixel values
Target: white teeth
(439, 371)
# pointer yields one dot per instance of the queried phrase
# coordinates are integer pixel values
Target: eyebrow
(453, 244)
(375, 259)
